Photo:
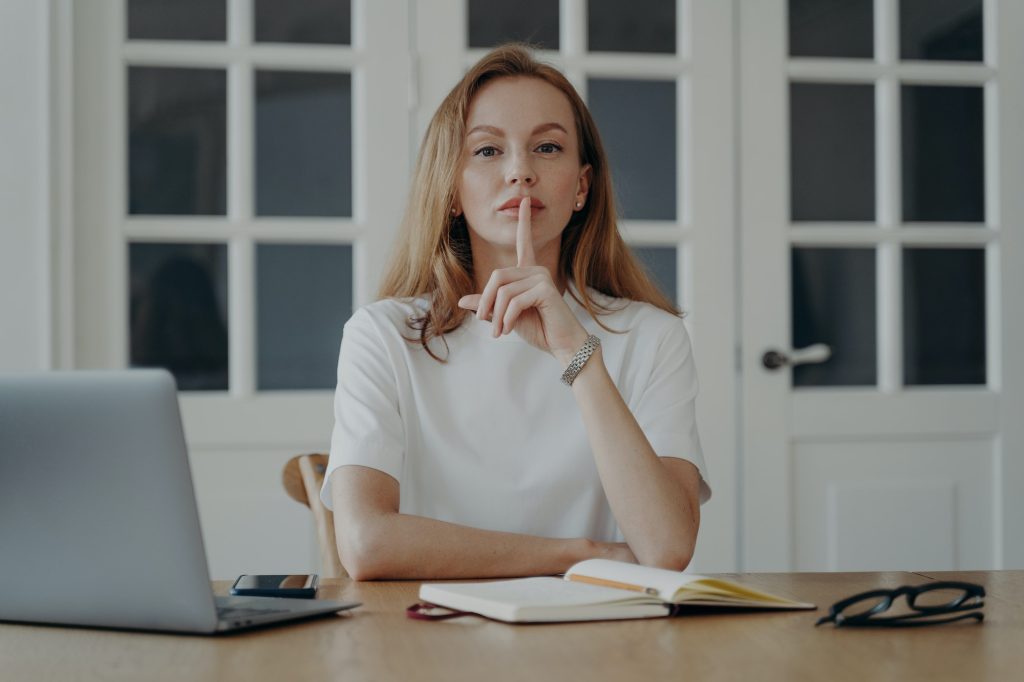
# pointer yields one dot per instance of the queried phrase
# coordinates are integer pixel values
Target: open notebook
(599, 589)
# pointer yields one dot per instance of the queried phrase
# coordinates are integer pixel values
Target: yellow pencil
(612, 583)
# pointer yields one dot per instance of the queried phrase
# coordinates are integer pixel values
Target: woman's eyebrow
(487, 129)
(543, 127)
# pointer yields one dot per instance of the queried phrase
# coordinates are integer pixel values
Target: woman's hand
(525, 299)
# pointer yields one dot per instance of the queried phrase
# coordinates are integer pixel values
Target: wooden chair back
(303, 476)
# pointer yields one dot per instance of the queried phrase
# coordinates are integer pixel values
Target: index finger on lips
(524, 235)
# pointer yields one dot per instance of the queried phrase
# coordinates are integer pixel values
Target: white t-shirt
(493, 439)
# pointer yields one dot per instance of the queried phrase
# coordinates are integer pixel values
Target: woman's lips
(511, 207)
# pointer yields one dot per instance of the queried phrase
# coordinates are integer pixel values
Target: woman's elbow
(671, 560)
(674, 554)
(359, 548)
(359, 568)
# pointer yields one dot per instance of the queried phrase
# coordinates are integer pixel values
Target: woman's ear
(583, 186)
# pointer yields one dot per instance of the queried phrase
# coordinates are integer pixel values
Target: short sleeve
(368, 428)
(666, 409)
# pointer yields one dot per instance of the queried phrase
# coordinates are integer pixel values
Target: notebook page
(676, 587)
(526, 592)
(666, 582)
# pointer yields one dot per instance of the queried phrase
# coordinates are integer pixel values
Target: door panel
(882, 504)
(871, 222)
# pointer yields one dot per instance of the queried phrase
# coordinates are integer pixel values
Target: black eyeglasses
(933, 604)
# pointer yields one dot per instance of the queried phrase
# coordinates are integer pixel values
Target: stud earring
(579, 204)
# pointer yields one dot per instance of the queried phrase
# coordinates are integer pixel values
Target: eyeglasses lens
(937, 599)
(864, 606)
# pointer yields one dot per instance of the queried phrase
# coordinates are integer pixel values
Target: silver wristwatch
(580, 359)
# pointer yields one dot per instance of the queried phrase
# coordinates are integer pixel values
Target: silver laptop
(98, 519)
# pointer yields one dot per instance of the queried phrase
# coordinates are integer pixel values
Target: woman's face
(520, 141)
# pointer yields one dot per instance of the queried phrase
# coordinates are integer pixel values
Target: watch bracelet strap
(582, 355)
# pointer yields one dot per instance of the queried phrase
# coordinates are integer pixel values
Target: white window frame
(376, 59)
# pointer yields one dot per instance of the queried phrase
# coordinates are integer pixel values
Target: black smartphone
(301, 586)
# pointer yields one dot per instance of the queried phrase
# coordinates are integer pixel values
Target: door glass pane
(660, 262)
(177, 20)
(303, 21)
(831, 28)
(528, 21)
(177, 141)
(303, 144)
(303, 299)
(941, 29)
(834, 303)
(832, 152)
(177, 312)
(943, 316)
(635, 26)
(637, 121)
(943, 153)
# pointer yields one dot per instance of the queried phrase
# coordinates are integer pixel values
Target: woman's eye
(549, 148)
(486, 152)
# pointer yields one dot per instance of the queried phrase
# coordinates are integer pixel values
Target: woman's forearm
(402, 546)
(657, 516)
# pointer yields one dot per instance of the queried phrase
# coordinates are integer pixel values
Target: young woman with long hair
(457, 451)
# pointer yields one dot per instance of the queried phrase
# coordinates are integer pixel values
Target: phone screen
(273, 582)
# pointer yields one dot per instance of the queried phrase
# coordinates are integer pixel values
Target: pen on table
(612, 583)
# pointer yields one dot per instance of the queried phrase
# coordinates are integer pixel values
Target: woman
(457, 452)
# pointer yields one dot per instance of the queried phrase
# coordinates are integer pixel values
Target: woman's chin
(502, 236)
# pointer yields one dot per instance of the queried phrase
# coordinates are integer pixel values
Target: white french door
(239, 173)
(880, 216)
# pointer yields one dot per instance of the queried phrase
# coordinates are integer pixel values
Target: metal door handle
(774, 359)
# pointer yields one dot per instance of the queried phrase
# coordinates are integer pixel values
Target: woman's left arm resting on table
(656, 500)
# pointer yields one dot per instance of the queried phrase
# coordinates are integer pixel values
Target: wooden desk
(377, 642)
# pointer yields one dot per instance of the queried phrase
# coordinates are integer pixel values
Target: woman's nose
(520, 172)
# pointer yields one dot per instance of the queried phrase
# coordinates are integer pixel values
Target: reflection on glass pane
(635, 26)
(303, 144)
(177, 20)
(528, 21)
(637, 120)
(178, 312)
(660, 262)
(177, 141)
(943, 316)
(303, 21)
(834, 303)
(941, 29)
(943, 154)
(831, 28)
(303, 299)
(832, 152)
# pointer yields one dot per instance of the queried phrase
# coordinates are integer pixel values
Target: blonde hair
(433, 255)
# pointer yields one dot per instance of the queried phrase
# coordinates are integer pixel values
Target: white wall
(25, 337)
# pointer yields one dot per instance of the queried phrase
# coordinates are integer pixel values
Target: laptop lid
(98, 520)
